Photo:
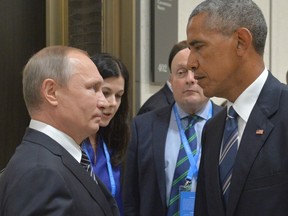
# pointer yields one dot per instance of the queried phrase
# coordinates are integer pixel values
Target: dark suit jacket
(144, 183)
(163, 97)
(42, 178)
(260, 175)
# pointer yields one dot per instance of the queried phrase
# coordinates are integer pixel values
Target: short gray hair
(50, 62)
(227, 15)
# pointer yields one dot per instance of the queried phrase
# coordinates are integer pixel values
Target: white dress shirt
(63, 139)
(244, 104)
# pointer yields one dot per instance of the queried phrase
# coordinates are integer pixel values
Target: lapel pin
(260, 132)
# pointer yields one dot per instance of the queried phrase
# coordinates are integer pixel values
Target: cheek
(118, 105)
(177, 84)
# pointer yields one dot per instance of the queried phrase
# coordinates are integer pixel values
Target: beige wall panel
(279, 46)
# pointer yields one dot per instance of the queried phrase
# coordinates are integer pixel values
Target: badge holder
(187, 200)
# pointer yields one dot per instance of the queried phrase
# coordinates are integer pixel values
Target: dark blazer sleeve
(144, 184)
(164, 97)
(42, 178)
(130, 189)
(33, 200)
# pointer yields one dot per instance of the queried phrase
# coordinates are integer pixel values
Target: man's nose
(192, 63)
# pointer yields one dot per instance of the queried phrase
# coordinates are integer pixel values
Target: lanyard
(110, 171)
(109, 166)
(193, 170)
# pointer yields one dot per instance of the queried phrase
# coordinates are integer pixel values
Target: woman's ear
(244, 38)
(48, 90)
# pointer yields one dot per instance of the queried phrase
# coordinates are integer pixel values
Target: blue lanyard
(110, 172)
(109, 166)
(193, 170)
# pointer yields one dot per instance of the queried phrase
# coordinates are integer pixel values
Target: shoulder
(216, 108)
(155, 115)
(161, 98)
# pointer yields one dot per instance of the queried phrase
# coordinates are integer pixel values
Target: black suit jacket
(42, 178)
(144, 183)
(163, 97)
(260, 175)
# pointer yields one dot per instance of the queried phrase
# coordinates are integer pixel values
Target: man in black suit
(227, 40)
(62, 92)
(155, 143)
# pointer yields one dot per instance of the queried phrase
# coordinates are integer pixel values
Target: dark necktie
(228, 152)
(87, 166)
(182, 166)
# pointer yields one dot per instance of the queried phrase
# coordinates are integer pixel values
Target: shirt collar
(63, 139)
(204, 113)
(246, 101)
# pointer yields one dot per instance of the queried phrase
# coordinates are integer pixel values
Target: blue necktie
(228, 152)
(182, 167)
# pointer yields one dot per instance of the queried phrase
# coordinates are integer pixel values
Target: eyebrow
(194, 42)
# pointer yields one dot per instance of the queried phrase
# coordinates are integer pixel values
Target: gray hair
(49, 63)
(227, 15)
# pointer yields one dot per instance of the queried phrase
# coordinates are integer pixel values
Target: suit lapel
(168, 93)
(92, 188)
(76, 169)
(212, 144)
(250, 146)
(254, 137)
(159, 130)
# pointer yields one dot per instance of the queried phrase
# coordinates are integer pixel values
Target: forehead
(84, 68)
(199, 32)
(82, 62)
(196, 24)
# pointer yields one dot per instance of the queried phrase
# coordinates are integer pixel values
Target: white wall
(146, 88)
(279, 46)
(276, 46)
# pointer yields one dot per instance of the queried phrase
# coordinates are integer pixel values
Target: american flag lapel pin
(259, 131)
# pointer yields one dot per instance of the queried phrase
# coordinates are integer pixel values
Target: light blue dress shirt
(173, 142)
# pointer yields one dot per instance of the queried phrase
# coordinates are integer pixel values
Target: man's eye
(198, 47)
(181, 73)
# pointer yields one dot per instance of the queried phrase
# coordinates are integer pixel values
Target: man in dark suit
(164, 97)
(62, 92)
(227, 40)
(155, 143)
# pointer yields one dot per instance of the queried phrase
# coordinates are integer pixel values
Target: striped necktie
(228, 152)
(85, 162)
(182, 166)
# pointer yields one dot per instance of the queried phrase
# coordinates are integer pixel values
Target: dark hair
(175, 49)
(116, 133)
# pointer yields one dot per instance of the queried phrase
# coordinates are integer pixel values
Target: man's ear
(48, 89)
(244, 38)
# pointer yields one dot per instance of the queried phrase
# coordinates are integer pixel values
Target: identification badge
(187, 200)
